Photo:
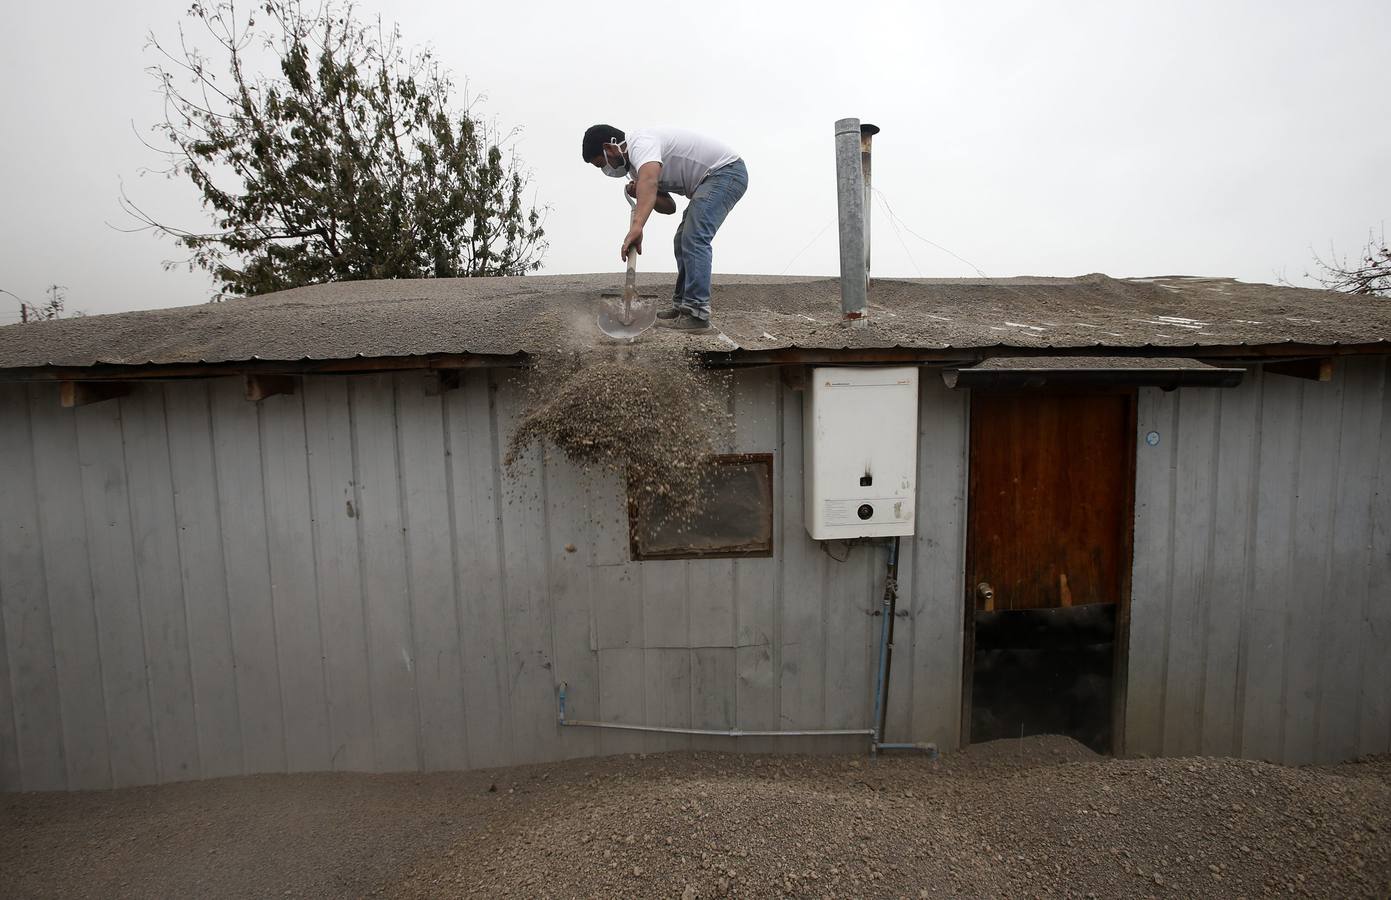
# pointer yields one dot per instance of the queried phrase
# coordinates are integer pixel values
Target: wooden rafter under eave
(259, 387)
(82, 393)
(1317, 369)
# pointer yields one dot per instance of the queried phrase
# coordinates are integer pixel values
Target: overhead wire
(896, 222)
(807, 247)
(1000, 283)
(899, 226)
(894, 217)
(901, 242)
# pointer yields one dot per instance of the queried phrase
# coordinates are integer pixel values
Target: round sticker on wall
(1152, 439)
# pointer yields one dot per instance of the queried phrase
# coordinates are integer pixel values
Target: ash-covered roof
(505, 316)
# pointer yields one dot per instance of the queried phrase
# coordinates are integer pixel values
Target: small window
(736, 521)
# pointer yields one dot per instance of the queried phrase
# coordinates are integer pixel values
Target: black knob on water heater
(865, 511)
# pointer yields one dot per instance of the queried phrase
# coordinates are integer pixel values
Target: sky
(1224, 138)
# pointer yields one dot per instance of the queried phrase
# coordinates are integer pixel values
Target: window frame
(761, 551)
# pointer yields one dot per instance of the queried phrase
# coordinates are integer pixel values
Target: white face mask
(614, 171)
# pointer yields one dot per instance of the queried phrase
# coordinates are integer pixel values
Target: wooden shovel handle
(630, 281)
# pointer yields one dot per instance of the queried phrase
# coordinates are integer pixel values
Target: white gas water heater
(860, 443)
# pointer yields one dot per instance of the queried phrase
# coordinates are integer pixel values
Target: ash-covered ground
(1041, 817)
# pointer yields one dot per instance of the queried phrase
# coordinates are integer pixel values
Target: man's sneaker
(669, 313)
(687, 323)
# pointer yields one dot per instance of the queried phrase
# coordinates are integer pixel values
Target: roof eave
(934, 356)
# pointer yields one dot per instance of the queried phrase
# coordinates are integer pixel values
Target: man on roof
(660, 162)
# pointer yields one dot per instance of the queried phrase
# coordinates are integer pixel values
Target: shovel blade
(626, 318)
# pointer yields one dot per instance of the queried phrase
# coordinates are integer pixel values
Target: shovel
(630, 315)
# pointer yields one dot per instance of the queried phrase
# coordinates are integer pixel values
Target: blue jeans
(704, 215)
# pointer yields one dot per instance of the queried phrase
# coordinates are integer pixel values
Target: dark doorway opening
(1048, 557)
(1044, 671)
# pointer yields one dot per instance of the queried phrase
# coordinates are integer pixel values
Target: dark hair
(596, 137)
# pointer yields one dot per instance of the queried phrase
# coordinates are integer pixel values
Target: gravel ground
(1040, 817)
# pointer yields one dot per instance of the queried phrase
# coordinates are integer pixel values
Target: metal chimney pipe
(867, 133)
(850, 202)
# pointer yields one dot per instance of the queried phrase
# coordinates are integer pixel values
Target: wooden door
(1047, 562)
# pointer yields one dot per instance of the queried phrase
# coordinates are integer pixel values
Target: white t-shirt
(686, 157)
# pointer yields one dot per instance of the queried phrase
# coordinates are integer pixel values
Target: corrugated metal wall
(192, 585)
(1261, 610)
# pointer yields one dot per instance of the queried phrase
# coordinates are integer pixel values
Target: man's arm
(647, 201)
(664, 204)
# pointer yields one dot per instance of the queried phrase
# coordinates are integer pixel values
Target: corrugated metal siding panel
(111, 558)
(193, 468)
(1149, 587)
(37, 756)
(192, 585)
(758, 429)
(68, 583)
(1374, 732)
(1260, 592)
(936, 596)
(345, 578)
(1337, 717)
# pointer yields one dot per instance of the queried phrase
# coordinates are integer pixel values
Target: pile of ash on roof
(648, 412)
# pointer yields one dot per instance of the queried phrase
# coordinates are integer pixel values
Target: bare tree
(348, 163)
(55, 307)
(1371, 274)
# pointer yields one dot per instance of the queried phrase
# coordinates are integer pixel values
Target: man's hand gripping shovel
(630, 315)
